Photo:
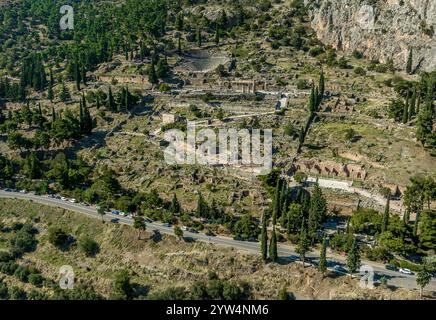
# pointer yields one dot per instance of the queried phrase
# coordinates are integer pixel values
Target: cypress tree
(317, 99)
(84, 75)
(322, 267)
(152, 77)
(303, 242)
(406, 110)
(409, 62)
(317, 212)
(97, 102)
(53, 114)
(273, 246)
(264, 239)
(199, 40)
(50, 94)
(81, 116)
(276, 204)
(353, 258)
(217, 35)
(312, 101)
(175, 205)
(385, 221)
(111, 101)
(321, 85)
(412, 104)
(77, 75)
(179, 45)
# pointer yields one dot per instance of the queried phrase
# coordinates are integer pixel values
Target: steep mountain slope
(381, 30)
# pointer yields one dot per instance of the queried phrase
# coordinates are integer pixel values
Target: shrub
(22, 273)
(316, 51)
(302, 84)
(16, 293)
(89, 247)
(360, 71)
(3, 291)
(8, 267)
(36, 279)
(5, 256)
(57, 237)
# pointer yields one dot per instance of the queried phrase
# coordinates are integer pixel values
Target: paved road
(285, 251)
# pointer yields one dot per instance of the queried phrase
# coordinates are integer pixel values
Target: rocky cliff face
(380, 29)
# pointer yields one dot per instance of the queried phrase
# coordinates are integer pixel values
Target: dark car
(238, 238)
(391, 267)
(253, 239)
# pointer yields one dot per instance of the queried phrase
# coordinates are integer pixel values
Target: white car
(73, 200)
(122, 214)
(405, 271)
(64, 199)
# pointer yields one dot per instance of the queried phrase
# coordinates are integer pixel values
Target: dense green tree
(178, 232)
(427, 230)
(322, 267)
(385, 221)
(273, 246)
(202, 207)
(353, 257)
(317, 212)
(139, 224)
(264, 239)
(123, 289)
(423, 279)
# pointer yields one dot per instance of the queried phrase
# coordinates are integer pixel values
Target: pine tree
(424, 125)
(353, 258)
(385, 221)
(322, 267)
(273, 246)
(409, 62)
(264, 239)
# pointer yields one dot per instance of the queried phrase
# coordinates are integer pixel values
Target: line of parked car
(393, 267)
